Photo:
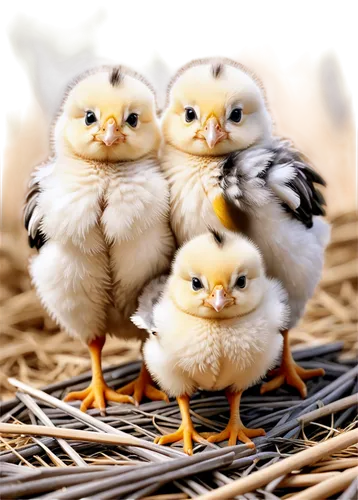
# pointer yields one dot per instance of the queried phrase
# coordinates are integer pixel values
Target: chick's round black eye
(241, 282)
(236, 115)
(90, 118)
(196, 284)
(190, 115)
(132, 120)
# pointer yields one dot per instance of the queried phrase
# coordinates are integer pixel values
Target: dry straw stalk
(262, 477)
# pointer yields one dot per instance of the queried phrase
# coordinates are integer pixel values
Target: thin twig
(305, 480)
(54, 459)
(341, 404)
(173, 496)
(351, 492)
(96, 423)
(328, 487)
(343, 463)
(34, 407)
(262, 477)
(22, 459)
(75, 435)
(133, 480)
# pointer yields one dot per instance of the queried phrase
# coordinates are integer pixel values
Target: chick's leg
(186, 431)
(98, 392)
(143, 386)
(290, 372)
(235, 429)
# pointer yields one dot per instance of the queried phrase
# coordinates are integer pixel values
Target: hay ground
(50, 448)
(309, 451)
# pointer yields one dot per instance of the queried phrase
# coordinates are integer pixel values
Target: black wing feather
(33, 226)
(312, 201)
(240, 169)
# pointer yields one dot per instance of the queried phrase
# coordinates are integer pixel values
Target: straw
(38, 354)
(260, 478)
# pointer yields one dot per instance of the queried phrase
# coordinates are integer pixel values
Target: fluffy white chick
(225, 169)
(215, 325)
(98, 214)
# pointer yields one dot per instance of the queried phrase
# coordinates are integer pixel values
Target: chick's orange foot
(235, 429)
(186, 431)
(234, 432)
(143, 386)
(96, 395)
(293, 375)
(290, 372)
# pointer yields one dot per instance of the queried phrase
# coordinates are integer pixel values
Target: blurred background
(305, 56)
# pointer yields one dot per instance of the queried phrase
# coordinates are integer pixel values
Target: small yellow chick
(215, 325)
(98, 215)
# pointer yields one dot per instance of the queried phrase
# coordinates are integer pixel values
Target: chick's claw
(290, 372)
(143, 386)
(185, 433)
(96, 395)
(293, 375)
(235, 429)
(236, 432)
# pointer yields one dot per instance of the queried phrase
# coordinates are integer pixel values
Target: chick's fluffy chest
(208, 359)
(112, 212)
(214, 354)
(193, 183)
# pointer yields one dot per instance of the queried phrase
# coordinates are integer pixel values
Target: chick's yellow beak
(219, 298)
(213, 132)
(110, 133)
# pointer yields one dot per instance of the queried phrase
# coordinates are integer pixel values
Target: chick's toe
(98, 392)
(185, 433)
(96, 395)
(235, 429)
(234, 432)
(143, 386)
(290, 372)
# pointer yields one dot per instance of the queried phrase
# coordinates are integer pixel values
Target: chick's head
(109, 116)
(217, 276)
(214, 108)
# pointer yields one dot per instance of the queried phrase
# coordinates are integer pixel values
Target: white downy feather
(190, 352)
(96, 259)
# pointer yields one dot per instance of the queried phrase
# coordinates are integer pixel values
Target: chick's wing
(32, 213)
(143, 318)
(253, 177)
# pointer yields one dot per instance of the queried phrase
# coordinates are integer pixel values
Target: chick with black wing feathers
(227, 170)
(285, 224)
(98, 214)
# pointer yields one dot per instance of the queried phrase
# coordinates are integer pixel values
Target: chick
(215, 325)
(98, 215)
(227, 170)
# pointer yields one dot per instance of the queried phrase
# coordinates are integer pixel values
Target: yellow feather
(228, 215)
